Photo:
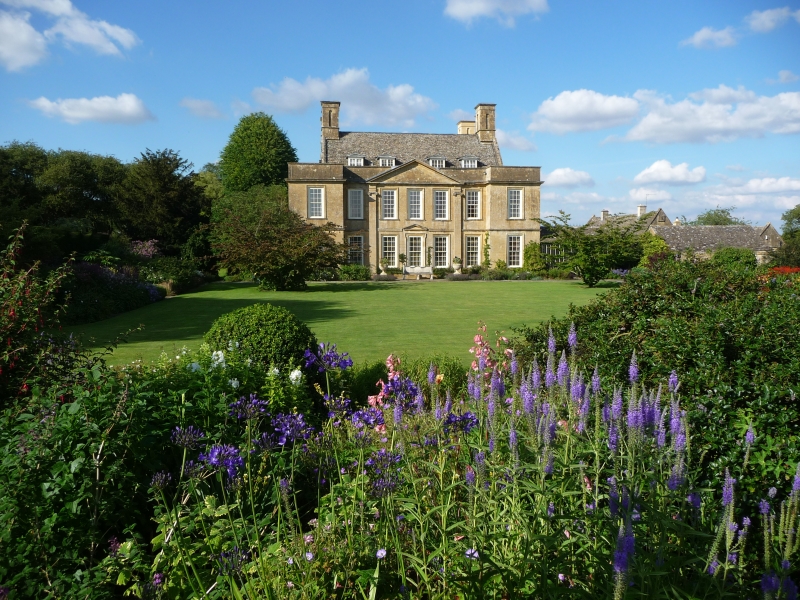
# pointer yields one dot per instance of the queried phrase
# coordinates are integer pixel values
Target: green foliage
(788, 255)
(652, 245)
(182, 274)
(732, 258)
(717, 216)
(257, 153)
(256, 232)
(532, 258)
(355, 272)
(728, 333)
(269, 334)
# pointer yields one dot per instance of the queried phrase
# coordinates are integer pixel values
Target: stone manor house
(432, 197)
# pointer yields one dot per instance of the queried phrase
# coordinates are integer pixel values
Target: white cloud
(786, 76)
(20, 44)
(722, 115)
(504, 11)
(708, 37)
(26, 46)
(460, 114)
(662, 171)
(737, 168)
(764, 185)
(125, 108)
(362, 101)
(205, 109)
(583, 110)
(514, 141)
(566, 177)
(764, 21)
(646, 194)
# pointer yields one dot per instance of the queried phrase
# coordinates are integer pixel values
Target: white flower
(295, 376)
(234, 383)
(274, 372)
(248, 362)
(194, 367)
(217, 359)
(232, 344)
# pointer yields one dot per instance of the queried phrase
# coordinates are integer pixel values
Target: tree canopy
(717, 216)
(257, 153)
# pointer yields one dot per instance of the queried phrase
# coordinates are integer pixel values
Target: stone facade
(432, 197)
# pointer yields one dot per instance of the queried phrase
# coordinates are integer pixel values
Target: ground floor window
(355, 254)
(389, 250)
(473, 251)
(414, 251)
(440, 259)
(514, 258)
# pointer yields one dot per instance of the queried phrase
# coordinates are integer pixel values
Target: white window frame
(388, 215)
(515, 212)
(391, 239)
(355, 200)
(520, 246)
(441, 264)
(469, 163)
(410, 252)
(355, 246)
(477, 261)
(436, 205)
(313, 214)
(355, 161)
(421, 214)
(437, 162)
(386, 161)
(476, 196)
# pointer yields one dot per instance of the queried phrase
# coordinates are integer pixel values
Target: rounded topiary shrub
(268, 334)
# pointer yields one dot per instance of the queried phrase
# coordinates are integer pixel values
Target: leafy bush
(268, 334)
(735, 258)
(495, 274)
(178, 273)
(354, 272)
(532, 258)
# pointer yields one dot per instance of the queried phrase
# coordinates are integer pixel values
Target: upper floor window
(473, 204)
(440, 208)
(414, 204)
(355, 204)
(469, 162)
(355, 161)
(437, 162)
(386, 161)
(388, 204)
(316, 198)
(514, 204)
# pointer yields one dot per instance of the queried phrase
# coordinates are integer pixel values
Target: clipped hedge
(268, 334)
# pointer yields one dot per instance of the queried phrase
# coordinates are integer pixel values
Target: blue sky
(683, 105)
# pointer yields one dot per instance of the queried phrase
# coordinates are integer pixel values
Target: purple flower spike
(187, 437)
(763, 507)
(713, 567)
(469, 477)
(616, 405)
(158, 580)
(514, 366)
(770, 583)
(796, 481)
(673, 381)
(431, 374)
(551, 341)
(727, 489)
(398, 413)
(549, 375)
(563, 369)
(595, 382)
(749, 437)
(572, 337)
(633, 369)
(536, 376)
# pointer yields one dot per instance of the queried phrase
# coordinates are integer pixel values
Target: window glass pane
(390, 250)
(473, 255)
(356, 250)
(439, 251)
(514, 204)
(473, 205)
(437, 163)
(514, 251)
(439, 205)
(389, 205)
(355, 162)
(414, 204)
(355, 208)
(315, 203)
(469, 163)
(415, 252)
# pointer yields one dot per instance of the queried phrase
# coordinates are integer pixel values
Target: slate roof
(712, 237)
(645, 221)
(408, 146)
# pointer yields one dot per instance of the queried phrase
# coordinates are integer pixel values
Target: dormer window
(386, 161)
(355, 160)
(469, 162)
(437, 162)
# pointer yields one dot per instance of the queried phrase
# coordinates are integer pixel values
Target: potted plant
(402, 259)
(457, 265)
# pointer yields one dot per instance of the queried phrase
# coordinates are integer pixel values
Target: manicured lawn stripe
(369, 320)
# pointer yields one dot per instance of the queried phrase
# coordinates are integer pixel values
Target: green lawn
(370, 320)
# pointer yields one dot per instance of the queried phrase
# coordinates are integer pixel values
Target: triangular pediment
(415, 173)
(415, 227)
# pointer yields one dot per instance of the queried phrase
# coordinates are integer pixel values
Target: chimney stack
(484, 120)
(641, 210)
(604, 215)
(466, 127)
(330, 125)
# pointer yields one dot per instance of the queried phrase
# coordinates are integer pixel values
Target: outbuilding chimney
(484, 120)
(641, 210)
(676, 222)
(330, 125)
(466, 127)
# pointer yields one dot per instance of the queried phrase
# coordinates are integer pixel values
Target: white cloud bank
(126, 109)
(764, 21)
(583, 110)
(708, 37)
(362, 101)
(21, 45)
(662, 171)
(568, 178)
(205, 109)
(505, 11)
(514, 141)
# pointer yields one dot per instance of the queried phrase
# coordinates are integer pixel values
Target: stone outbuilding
(704, 240)
(432, 197)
